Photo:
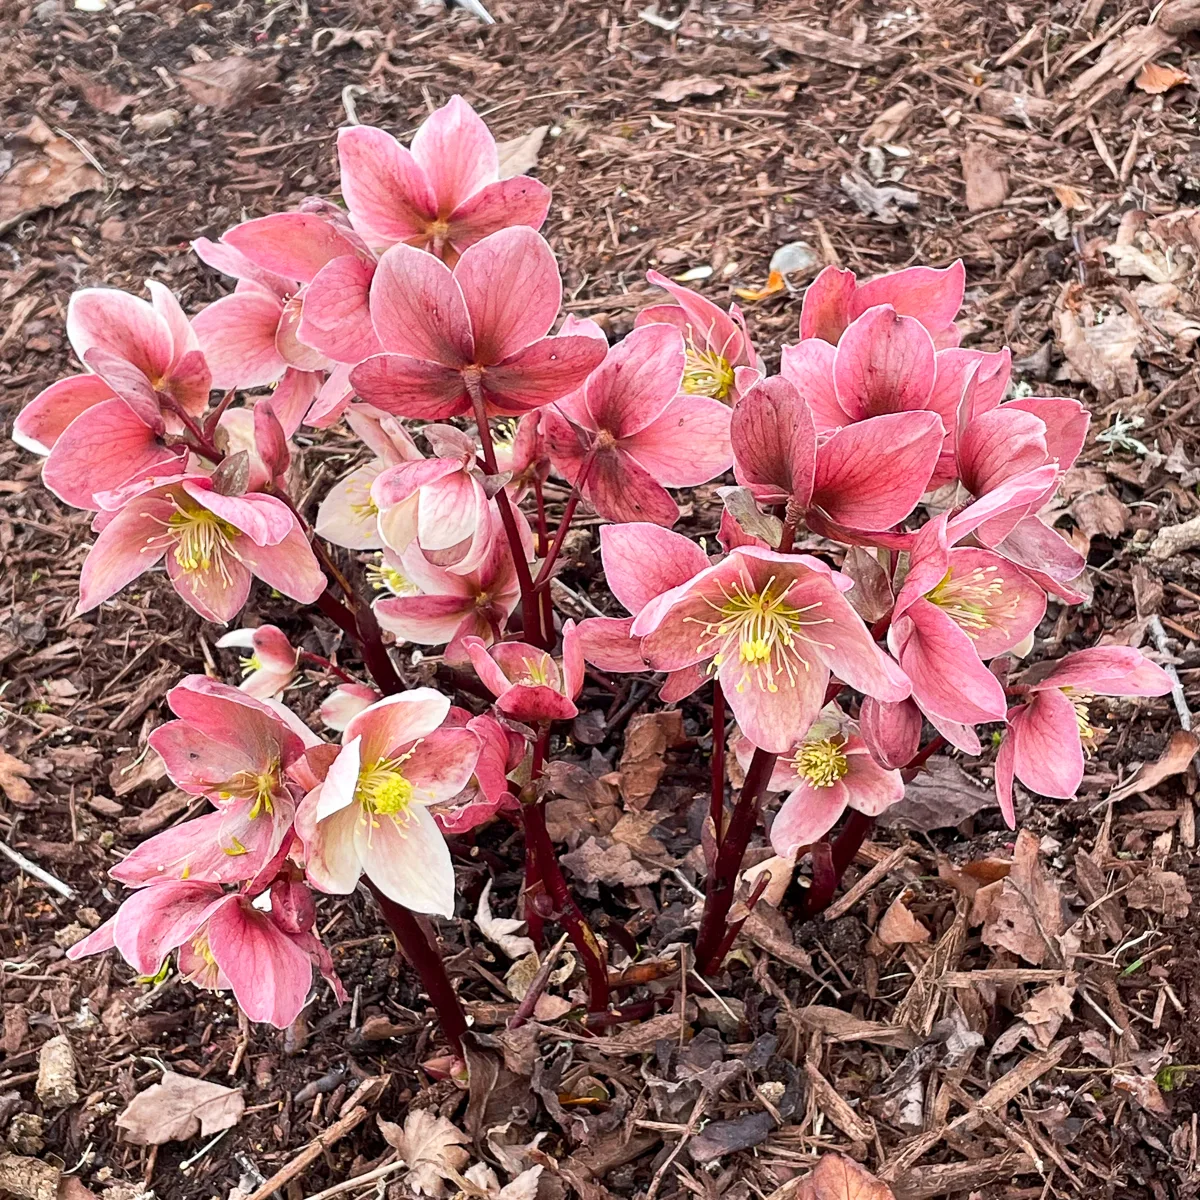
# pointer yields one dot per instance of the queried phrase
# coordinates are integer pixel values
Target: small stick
(538, 985)
(31, 868)
(1177, 693)
(348, 1185)
(865, 884)
(338, 1130)
(684, 1138)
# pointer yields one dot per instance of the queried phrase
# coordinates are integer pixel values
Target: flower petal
(544, 371)
(385, 188)
(294, 245)
(825, 312)
(237, 335)
(456, 151)
(500, 205)
(774, 442)
(808, 367)
(409, 862)
(44, 419)
(336, 316)
(1047, 752)
(806, 816)
(411, 387)
(417, 308)
(884, 364)
(128, 545)
(642, 561)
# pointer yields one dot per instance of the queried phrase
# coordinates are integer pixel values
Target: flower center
(707, 373)
(200, 539)
(382, 577)
(537, 672)
(250, 664)
(974, 601)
(822, 763)
(206, 973)
(1080, 700)
(258, 786)
(764, 629)
(384, 791)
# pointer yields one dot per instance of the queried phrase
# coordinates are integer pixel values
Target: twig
(538, 985)
(338, 1130)
(684, 1138)
(348, 1185)
(31, 868)
(1177, 693)
(865, 884)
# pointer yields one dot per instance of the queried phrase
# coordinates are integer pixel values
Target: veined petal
(409, 861)
(642, 561)
(418, 310)
(1047, 752)
(385, 188)
(496, 206)
(637, 380)
(884, 364)
(456, 151)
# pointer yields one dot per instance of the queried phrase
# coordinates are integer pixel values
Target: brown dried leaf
(1174, 760)
(601, 860)
(519, 155)
(502, 931)
(885, 126)
(1145, 1091)
(942, 796)
(984, 173)
(431, 1146)
(1046, 1012)
(647, 740)
(13, 773)
(838, 1178)
(224, 82)
(871, 594)
(633, 830)
(1026, 917)
(47, 171)
(681, 89)
(178, 1108)
(101, 96)
(898, 927)
(1156, 78)
(1160, 891)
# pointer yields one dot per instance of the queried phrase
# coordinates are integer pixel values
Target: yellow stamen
(537, 671)
(251, 664)
(199, 540)
(236, 850)
(258, 786)
(974, 601)
(823, 763)
(707, 373)
(382, 575)
(383, 790)
(1080, 700)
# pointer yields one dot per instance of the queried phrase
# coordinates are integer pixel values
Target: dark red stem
(324, 663)
(426, 960)
(919, 759)
(735, 927)
(716, 808)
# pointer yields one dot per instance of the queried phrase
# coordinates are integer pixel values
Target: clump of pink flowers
(880, 571)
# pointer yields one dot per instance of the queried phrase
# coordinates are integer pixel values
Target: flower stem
(831, 861)
(564, 523)
(722, 879)
(922, 756)
(318, 661)
(529, 605)
(716, 807)
(426, 960)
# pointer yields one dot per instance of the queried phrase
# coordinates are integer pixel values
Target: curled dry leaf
(1174, 760)
(47, 171)
(521, 154)
(1025, 915)
(1160, 891)
(502, 931)
(648, 737)
(431, 1146)
(942, 796)
(898, 926)
(838, 1178)
(1145, 1091)
(681, 89)
(601, 860)
(178, 1108)
(1156, 78)
(13, 773)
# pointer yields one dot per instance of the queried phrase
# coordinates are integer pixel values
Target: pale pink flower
(212, 543)
(442, 195)
(772, 628)
(348, 515)
(441, 504)
(271, 665)
(720, 360)
(827, 771)
(371, 813)
(345, 702)
(487, 322)
(630, 432)
(529, 685)
(865, 476)
(523, 456)
(1046, 737)
(501, 750)
(222, 942)
(835, 298)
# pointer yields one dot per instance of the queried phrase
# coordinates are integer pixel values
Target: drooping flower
(771, 627)
(529, 685)
(483, 326)
(212, 543)
(371, 813)
(222, 940)
(345, 702)
(835, 298)
(1046, 737)
(501, 749)
(827, 771)
(271, 664)
(523, 455)
(442, 195)
(720, 361)
(630, 432)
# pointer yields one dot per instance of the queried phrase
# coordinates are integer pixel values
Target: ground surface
(1020, 142)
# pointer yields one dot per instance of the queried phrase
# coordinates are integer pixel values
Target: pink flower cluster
(882, 546)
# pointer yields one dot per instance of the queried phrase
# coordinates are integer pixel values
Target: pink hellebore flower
(105, 429)
(371, 813)
(432, 606)
(235, 751)
(829, 770)
(1046, 737)
(931, 296)
(442, 195)
(222, 941)
(630, 430)
(348, 516)
(528, 684)
(442, 504)
(213, 544)
(270, 666)
(865, 476)
(772, 627)
(720, 361)
(482, 326)
(501, 750)
(345, 702)
(524, 455)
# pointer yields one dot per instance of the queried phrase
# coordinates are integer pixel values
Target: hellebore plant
(880, 567)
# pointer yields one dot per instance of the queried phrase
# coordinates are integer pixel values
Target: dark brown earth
(1032, 142)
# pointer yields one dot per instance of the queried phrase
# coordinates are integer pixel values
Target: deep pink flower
(827, 771)
(486, 322)
(213, 544)
(501, 750)
(442, 195)
(865, 476)
(720, 361)
(1046, 737)
(432, 606)
(528, 684)
(630, 430)
(772, 627)
(222, 941)
(835, 298)
(271, 664)
(524, 455)
(371, 813)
